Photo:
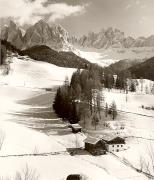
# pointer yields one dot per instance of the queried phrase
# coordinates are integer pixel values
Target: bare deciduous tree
(27, 174)
(148, 166)
(36, 150)
(2, 138)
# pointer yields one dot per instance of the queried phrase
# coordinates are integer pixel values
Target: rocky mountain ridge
(57, 38)
(112, 38)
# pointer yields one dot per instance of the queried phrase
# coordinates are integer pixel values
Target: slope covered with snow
(138, 125)
(30, 73)
(21, 101)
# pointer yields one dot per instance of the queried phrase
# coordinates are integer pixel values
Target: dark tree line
(80, 97)
(62, 59)
(8, 46)
(2, 54)
(123, 81)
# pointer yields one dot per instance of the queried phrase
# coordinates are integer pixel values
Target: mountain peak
(57, 37)
(41, 22)
(12, 24)
(112, 37)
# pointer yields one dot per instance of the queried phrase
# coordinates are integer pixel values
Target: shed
(76, 128)
(95, 146)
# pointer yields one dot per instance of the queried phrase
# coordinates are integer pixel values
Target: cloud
(143, 20)
(60, 11)
(138, 2)
(25, 11)
(128, 6)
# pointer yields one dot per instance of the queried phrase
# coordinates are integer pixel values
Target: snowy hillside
(138, 125)
(19, 144)
(30, 73)
(132, 102)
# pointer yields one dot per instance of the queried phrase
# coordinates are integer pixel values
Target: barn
(75, 128)
(95, 146)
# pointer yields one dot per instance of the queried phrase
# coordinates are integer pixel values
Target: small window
(117, 145)
(112, 145)
(121, 145)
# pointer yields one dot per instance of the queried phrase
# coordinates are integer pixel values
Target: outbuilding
(95, 146)
(75, 128)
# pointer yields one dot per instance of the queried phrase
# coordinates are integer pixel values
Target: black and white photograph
(76, 89)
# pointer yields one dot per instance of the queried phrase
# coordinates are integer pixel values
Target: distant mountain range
(41, 42)
(57, 38)
(137, 68)
(112, 38)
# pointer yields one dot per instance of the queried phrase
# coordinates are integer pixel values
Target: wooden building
(95, 146)
(75, 128)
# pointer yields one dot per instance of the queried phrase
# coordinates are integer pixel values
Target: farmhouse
(113, 143)
(75, 128)
(95, 146)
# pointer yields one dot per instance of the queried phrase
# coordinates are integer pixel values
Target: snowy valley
(76, 105)
(35, 139)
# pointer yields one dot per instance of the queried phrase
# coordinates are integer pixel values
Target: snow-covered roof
(91, 140)
(108, 137)
(76, 126)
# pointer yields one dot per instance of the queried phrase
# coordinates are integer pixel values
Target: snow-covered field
(18, 140)
(21, 140)
(20, 107)
(35, 74)
(23, 104)
(138, 124)
(16, 136)
(131, 102)
(56, 167)
(114, 167)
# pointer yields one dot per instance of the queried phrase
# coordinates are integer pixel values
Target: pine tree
(117, 84)
(95, 121)
(66, 82)
(99, 101)
(83, 112)
(106, 109)
(152, 89)
(78, 91)
(132, 86)
(113, 110)
(2, 54)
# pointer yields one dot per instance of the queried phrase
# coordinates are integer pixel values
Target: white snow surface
(25, 82)
(19, 139)
(138, 124)
(35, 74)
(53, 168)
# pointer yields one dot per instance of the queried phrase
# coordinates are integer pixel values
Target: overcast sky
(134, 17)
